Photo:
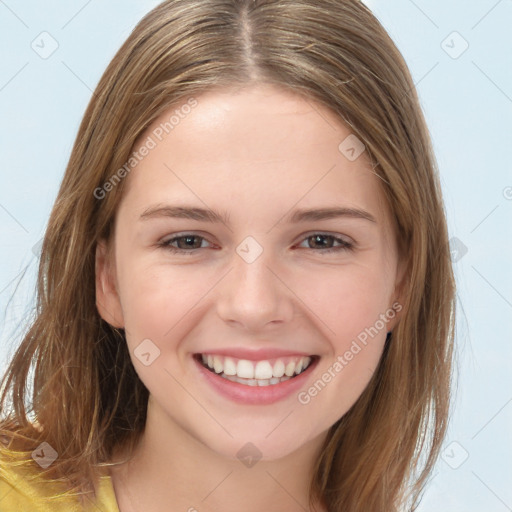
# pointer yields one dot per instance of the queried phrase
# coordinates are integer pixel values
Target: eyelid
(337, 236)
(346, 243)
(165, 242)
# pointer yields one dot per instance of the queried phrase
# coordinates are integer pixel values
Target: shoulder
(21, 490)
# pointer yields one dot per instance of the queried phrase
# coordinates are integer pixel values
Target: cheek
(347, 300)
(353, 301)
(158, 305)
(157, 300)
(350, 303)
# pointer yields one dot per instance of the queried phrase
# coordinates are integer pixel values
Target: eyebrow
(209, 215)
(184, 212)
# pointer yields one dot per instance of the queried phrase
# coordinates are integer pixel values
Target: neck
(171, 466)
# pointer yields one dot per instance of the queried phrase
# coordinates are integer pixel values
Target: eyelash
(345, 246)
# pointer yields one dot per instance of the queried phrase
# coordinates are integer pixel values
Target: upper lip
(255, 354)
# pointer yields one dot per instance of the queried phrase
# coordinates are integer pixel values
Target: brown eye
(184, 243)
(325, 243)
(321, 241)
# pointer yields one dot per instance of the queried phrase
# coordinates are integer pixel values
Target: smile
(255, 382)
(266, 372)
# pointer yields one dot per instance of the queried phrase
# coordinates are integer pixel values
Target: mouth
(267, 372)
(255, 381)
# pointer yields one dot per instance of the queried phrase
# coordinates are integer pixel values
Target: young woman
(245, 295)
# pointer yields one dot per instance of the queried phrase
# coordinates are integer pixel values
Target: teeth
(217, 364)
(229, 366)
(255, 382)
(252, 373)
(263, 370)
(245, 369)
(278, 370)
(289, 371)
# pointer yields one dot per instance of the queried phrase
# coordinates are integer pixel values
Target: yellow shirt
(20, 494)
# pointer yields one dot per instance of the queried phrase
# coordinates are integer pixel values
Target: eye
(323, 242)
(185, 243)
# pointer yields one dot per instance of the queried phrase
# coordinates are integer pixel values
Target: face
(251, 239)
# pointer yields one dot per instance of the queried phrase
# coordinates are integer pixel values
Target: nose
(254, 296)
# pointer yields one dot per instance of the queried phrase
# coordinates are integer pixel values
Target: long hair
(87, 399)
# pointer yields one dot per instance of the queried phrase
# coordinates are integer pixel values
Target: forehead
(241, 146)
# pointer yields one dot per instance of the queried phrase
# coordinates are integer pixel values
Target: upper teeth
(260, 370)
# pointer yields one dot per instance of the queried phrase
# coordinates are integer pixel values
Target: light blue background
(468, 105)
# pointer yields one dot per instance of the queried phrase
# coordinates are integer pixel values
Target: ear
(107, 297)
(398, 297)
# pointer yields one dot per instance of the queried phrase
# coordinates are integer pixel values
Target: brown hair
(87, 397)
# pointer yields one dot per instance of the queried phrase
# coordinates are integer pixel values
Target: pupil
(188, 241)
(319, 238)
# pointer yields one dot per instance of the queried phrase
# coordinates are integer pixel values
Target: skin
(257, 154)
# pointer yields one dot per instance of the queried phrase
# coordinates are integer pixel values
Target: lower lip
(255, 395)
